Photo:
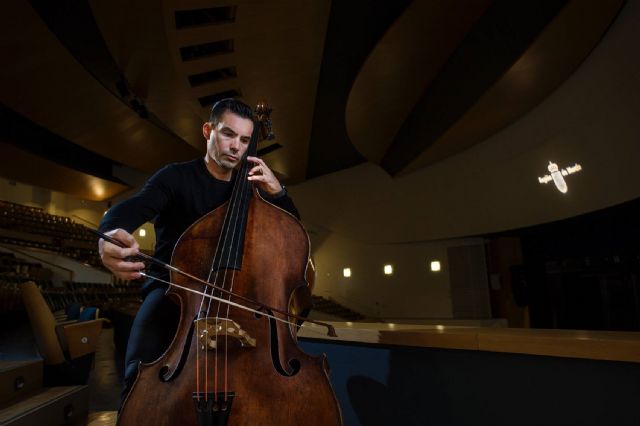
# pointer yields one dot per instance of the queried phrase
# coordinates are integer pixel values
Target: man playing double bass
(177, 196)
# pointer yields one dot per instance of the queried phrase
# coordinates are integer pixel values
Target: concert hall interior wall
(362, 217)
(591, 120)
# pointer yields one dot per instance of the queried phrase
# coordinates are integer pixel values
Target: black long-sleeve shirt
(176, 196)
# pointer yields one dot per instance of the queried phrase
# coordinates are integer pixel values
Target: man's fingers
(119, 252)
(124, 266)
(257, 160)
(254, 170)
(131, 276)
(261, 166)
(124, 237)
(128, 252)
(259, 178)
(114, 257)
(262, 173)
(117, 264)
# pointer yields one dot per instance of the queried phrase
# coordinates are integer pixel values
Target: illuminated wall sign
(557, 175)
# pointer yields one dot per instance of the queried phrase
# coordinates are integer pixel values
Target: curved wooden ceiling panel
(25, 167)
(276, 53)
(549, 61)
(48, 86)
(492, 45)
(431, 87)
(139, 46)
(446, 77)
(273, 52)
(401, 67)
(353, 30)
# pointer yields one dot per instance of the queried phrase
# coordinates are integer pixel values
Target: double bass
(237, 274)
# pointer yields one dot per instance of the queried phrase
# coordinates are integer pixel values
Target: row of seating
(82, 255)
(13, 272)
(118, 286)
(35, 219)
(332, 307)
(59, 230)
(10, 265)
(34, 228)
(86, 293)
(10, 301)
(59, 298)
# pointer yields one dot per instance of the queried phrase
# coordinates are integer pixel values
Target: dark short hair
(230, 105)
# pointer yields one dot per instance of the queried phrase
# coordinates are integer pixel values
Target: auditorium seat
(67, 348)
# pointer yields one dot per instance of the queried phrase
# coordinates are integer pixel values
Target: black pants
(151, 333)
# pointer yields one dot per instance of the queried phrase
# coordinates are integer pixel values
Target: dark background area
(582, 272)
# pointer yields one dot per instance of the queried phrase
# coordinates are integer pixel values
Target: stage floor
(102, 418)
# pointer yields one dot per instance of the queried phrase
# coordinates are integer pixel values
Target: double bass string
(204, 349)
(232, 215)
(242, 203)
(246, 308)
(229, 215)
(330, 329)
(225, 226)
(238, 201)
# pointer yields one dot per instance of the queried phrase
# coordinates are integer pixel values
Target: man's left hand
(263, 176)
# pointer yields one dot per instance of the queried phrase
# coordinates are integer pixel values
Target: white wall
(52, 202)
(413, 291)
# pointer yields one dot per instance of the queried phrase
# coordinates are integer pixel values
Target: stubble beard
(223, 164)
(218, 158)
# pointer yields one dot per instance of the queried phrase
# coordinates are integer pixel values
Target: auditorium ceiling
(93, 89)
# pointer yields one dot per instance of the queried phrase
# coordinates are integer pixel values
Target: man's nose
(235, 144)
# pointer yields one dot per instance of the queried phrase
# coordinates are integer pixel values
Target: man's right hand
(113, 257)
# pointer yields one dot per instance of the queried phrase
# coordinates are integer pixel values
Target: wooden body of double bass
(273, 383)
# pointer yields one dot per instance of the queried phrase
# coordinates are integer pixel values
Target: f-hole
(164, 373)
(294, 364)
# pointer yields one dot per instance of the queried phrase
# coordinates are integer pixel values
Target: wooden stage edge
(598, 345)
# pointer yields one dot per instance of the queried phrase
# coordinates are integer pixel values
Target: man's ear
(206, 130)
